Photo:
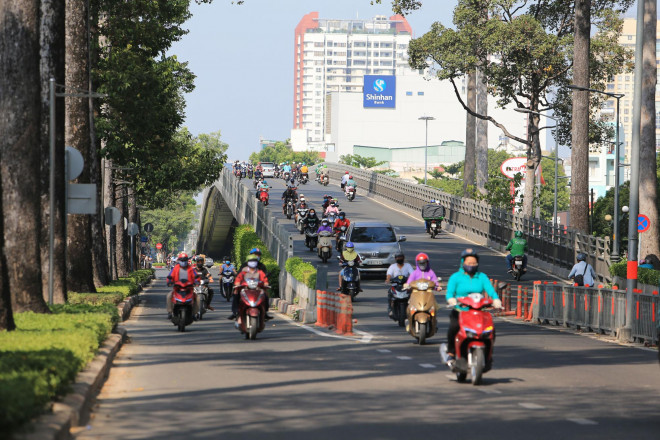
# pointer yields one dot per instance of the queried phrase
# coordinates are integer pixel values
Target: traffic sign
(74, 163)
(112, 216)
(159, 246)
(144, 239)
(643, 223)
(133, 228)
(149, 227)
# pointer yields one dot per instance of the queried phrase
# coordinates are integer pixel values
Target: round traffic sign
(149, 227)
(74, 163)
(133, 229)
(643, 223)
(112, 216)
(159, 246)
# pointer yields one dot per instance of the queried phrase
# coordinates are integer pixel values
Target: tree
(525, 50)
(648, 180)
(20, 119)
(173, 222)
(281, 152)
(547, 197)
(355, 160)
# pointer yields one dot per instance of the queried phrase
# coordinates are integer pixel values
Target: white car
(268, 169)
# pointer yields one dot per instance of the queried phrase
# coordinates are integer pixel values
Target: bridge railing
(597, 309)
(556, 247)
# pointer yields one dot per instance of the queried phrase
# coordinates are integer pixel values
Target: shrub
(644, 276)
(84, 308)
(95, 298)
(126, 286)
(302, 271)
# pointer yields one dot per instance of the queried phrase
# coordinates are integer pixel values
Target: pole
(591, 213)
(132, 238)
(554, 208)
(615, 245)
(51, 226)
(633, 213)
(426, 149)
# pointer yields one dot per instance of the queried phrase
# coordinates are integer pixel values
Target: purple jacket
(419, 274)
(325, 229)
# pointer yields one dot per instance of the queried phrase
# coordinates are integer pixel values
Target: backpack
(579, 278)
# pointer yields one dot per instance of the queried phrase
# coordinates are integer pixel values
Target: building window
(629, 37)
(626, 119)
(610, 87)
(420, 93)
(408, 93)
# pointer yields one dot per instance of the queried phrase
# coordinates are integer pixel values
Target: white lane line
(487, 391)
(583, 421)
(384, 350)
(427, 365)
(531, 405)
(366, 337)
(450, 376)
(404, 358)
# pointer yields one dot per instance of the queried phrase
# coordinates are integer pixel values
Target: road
(295, 383)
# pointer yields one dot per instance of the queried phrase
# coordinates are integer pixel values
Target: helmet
(350, 177)
(346, 172)
(226, 258)
(324, 221)
(264, 182)
(432, 201)
(182, 257)
(255, 251)
(469, 252)
(350, 245)
(398, 254)
(518, 234)
(333, 204)
(252, 257)
(293, 180)
(581, 256)
(342, 215)
(422, 258)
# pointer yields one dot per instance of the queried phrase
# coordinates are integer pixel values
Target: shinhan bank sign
(379, 91)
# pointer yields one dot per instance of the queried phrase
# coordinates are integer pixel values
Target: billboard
(379, 91)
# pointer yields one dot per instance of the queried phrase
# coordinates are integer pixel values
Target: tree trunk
(579, 218)
(649, 240)
(52, 66)
(470, 135)
(533, 162)
(109, 200)
(132, 218)
(79, 253)
(481, 150)
(121, 249)
(20, 119)
(6, 315)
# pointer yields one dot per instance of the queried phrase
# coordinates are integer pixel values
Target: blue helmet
(264, 182)
(349, 245)
(255, 250)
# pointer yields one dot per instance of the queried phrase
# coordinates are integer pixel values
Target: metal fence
(596, 309)
(556, 246)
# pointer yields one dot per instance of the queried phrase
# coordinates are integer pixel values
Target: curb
(293, 311)
(68, 412)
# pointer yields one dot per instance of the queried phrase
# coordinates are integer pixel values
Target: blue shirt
(461, 285)
(583, 268)
(224, 267)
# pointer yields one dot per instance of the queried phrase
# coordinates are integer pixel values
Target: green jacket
(517, 246)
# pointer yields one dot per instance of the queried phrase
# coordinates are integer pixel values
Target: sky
(243, 59)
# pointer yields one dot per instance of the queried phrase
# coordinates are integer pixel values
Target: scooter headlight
(422, 286)
(471, 334)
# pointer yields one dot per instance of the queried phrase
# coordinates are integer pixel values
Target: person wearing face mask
(423, 271)
(395, 270)
(251, 270)
(462, 283)
(253, 261)
(182, 272)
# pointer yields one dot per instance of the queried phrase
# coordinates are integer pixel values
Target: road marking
(427, 365)
(487, 391)
(583, 421)
(450, 376)
(531, 405)
(384, 350)
(404, 358)
(366, 337)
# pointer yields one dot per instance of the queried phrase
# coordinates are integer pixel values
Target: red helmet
(350, 177)
(182, 256)
(346, 172)
(421, 257)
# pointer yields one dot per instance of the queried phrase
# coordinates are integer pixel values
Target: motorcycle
(304, 178)
(350, 193)
(331, 218)
(289, 209)
(474, 340)
(435, 227)
(276, 174)
(302, 215)
(311, 236)
(400, 297)
(341, 238)
(227, 284)
(422, 323)
(202, 292)
(250, 173)
(325, 179)
(349, 278)
(287, 176)
(263, 196)
(243, 173)
(325, 246)
(251, 308)
(517, 267)
(257, 181)
(183, 298)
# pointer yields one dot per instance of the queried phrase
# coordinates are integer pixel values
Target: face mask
(252, 264)
(470, 270)
(423, 266)
(399, 260)
(183, 263)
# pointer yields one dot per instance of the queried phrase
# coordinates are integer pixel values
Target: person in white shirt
(396, 269)
(344, 179)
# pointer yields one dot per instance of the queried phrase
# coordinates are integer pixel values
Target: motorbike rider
(344, 179)
(182, 271)
(326, 201)
(262, 186)
(349, 254)
(341, 221)
(586, 270)
(350, 183)
(311, 221)
(204, 274)
(325, 226)
(249, 270)
(303, 169)
(395, 270)
(332, 209)
(423, 271)
(288, 195)
(467, 280)
(227, 266)
(428, 222)
(518, 247)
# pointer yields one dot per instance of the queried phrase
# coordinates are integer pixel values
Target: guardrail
(552, 249)
(596, 309)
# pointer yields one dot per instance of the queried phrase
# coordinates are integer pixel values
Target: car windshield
(373, 234)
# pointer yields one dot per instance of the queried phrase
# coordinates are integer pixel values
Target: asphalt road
(297, 382)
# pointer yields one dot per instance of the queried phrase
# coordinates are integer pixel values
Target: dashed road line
(384, 350)
(529, 405)
(404, 358)
(583, 421)
(489, 391)
(427, 365)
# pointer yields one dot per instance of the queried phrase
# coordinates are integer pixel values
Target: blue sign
(379, 91)
(643, 223)
(144, 239)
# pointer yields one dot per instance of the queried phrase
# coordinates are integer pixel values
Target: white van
(269, 169)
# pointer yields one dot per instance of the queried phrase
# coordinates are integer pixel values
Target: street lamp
(615, 245)
(426, 148)
(554, 209)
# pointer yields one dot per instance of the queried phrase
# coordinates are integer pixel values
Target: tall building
(334, 55)
(624, 83)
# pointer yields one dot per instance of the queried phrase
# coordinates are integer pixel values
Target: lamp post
(426, 119)
(615, 256)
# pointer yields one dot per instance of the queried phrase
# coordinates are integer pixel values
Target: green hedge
(644, 276)
(302, 271)
(113, 298)
(245, 239)
(42, 356)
